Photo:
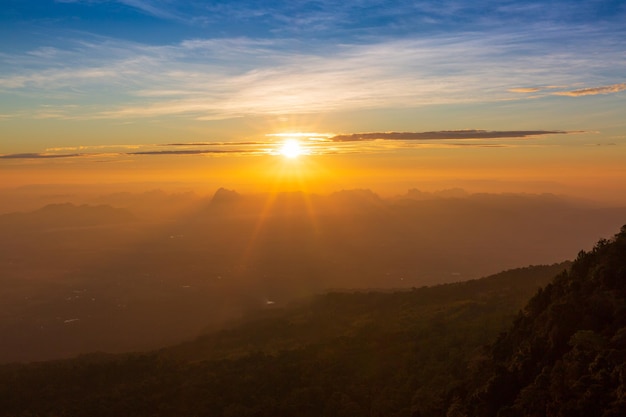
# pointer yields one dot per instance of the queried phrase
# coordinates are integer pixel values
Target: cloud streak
(219, 78)
(445, 134)
(187, 152)
(607, 89)
(524, 89)
(316, 144)
(39, 156)
(149, 149)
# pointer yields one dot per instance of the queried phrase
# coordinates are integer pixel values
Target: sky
(521, 96)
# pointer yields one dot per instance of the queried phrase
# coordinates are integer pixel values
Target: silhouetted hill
(223, 195)
(339, 354)
(565, 355)
(415, 194)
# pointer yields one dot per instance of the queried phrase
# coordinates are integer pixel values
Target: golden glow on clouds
(606, 89)
(293, 144)
(524, 90)
(595, 172)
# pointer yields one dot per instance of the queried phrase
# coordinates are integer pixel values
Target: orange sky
(389, 167)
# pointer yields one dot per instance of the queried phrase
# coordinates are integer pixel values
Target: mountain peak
(223, 195)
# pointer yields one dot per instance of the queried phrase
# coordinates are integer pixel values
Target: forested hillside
(566, 352)
(340, 354)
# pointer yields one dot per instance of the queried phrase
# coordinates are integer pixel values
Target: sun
(291, 149)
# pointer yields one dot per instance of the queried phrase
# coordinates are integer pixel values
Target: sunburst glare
(291, 149)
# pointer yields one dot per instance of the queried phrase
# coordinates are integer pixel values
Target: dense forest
(432, 351)
(566, 352)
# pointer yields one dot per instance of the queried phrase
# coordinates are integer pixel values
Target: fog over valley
(138, 270)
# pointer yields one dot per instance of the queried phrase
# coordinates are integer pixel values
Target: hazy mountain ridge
(69, 290)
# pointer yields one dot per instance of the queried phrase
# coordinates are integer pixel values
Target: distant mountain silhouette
(355, 196)
(223, 195)
(416, 194)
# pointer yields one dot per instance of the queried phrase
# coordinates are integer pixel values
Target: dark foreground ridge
(411, 353)
(566, 352)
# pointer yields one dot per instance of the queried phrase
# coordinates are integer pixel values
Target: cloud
(186, 152)
(524, 90)
(607, 89)
(445, 134)
(38, 156)
(220, 78)
(117, 151)
(396, 73)
(154, 8)
(214, 143)
(158, 9)
(346, 143)
(111, 147)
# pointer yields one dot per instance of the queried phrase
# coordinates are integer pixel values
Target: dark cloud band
(184, 152)
(445, 134)
(38, 156)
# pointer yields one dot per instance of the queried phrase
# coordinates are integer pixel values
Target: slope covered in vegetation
(341, 354)
(565, 355)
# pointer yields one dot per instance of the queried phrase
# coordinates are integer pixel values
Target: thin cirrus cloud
(591, 91)
(186, 152)
(524, 89)
(139, 150)
(445, 134)
(220, 78)
(607, 89)
(444, 138)
(152, 8)
(39, 156)
(297, 16)
(157, 9)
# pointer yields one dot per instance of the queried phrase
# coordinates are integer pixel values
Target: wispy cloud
(39, 156)
(185, 152)
(210, 79)
(117, 151)
(446, 134)
(109, 147)
(156, 8)
(524, 89)
(315, 144)
(214, 144)
(151, 7)
(607, 89)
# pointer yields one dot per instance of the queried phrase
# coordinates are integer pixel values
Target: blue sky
(75, 64)
(156, 22)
